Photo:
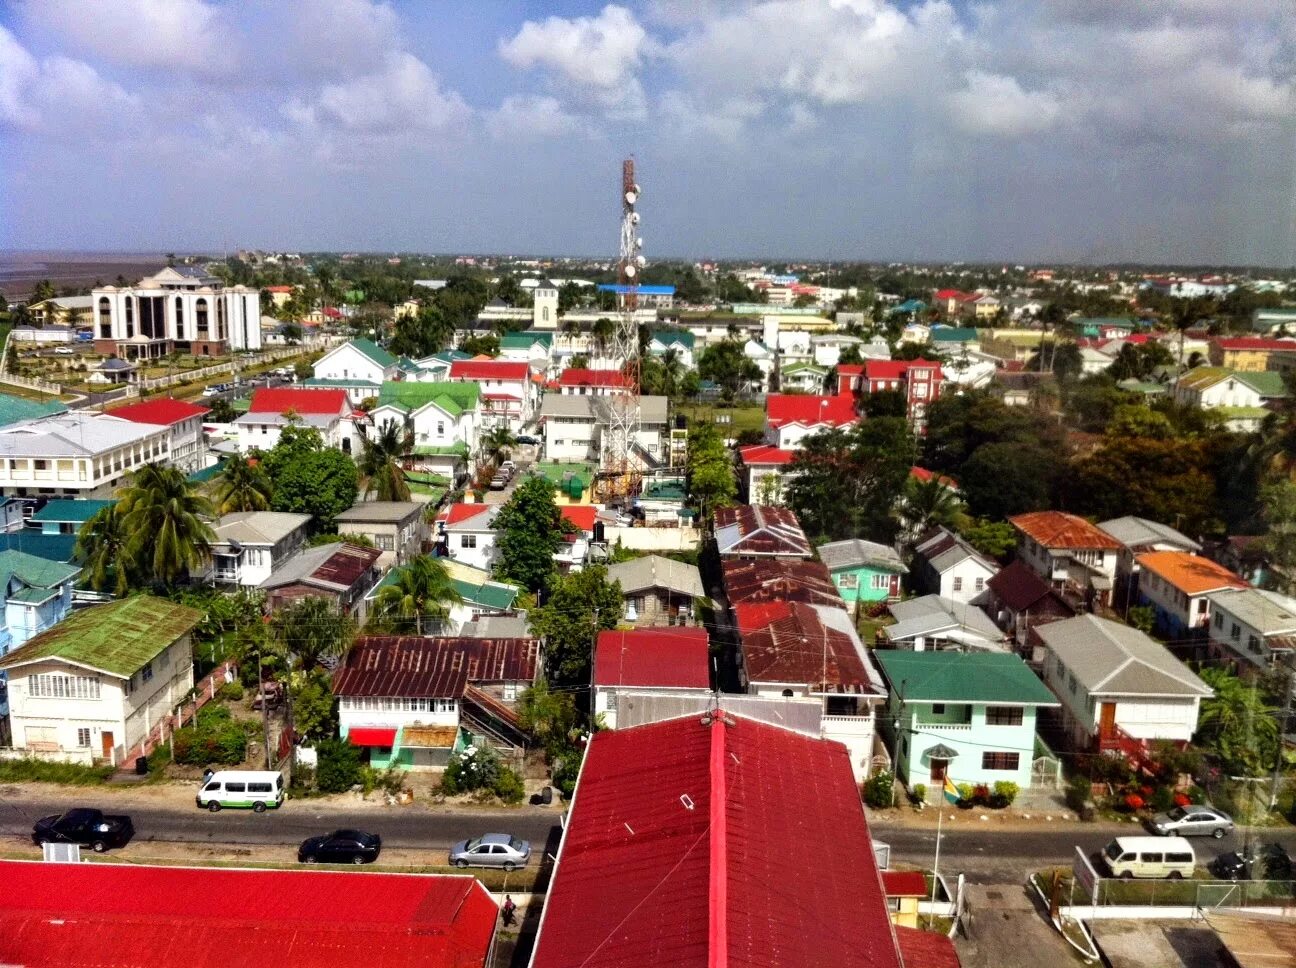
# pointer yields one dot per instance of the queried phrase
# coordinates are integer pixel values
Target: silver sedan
(1195, 820)
(491, 850)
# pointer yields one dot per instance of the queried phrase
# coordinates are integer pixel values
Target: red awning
(371, 736)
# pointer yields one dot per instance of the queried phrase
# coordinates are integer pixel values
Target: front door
(938, 768)
(1107, 720)
(107, 737)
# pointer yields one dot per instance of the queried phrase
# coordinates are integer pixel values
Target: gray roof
(944, 549)
(857, 553)
(305, 563)
(654, 571)
(270, 419)
(933, 615)
(381, 512)
(497, 627)
(77, 433)
(1135, 532)
(1111, 659)
(652, 410)
(1267, 612)
(258, 527)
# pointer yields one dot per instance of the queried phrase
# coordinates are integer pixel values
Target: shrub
(1163, 798)
(565, 774)
(878, 790)
(31, 770)
(920, 792)
(1182, 800)
(508, 786)
(230, 692)
(1006, 791)
(980, 795)
(1077, 792)
(214, 738)
(338, 766)
(472, 768)
(1133, 802)
(966, 792)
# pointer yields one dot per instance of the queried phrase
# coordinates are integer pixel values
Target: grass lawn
(741, 417)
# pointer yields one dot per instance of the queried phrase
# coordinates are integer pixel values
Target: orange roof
(582, 516)
(1057, 529)
(1190, 574)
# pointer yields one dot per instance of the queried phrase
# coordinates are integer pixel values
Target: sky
(1005, 130)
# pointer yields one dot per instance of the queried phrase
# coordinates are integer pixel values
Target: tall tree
(419, 598)
(165, 518)
(423, 333)
(309, 478)
(380, 462)
(530, 532)
(1238, 724)
(711, 481)
(726, 364)
(926, 504)
(1278, 501)
(582, 604)
(101, 549)
(242, 486)
(312, 631)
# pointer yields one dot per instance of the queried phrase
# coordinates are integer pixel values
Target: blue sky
(1024, 130)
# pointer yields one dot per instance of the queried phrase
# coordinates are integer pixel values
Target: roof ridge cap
(718, 926)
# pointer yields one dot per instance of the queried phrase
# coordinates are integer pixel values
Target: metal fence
(1089, 889)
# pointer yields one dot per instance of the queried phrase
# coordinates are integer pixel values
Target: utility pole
(1284, 718)
(895, 747)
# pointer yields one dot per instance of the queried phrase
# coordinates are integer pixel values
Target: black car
(90, 828)
(340, 847)
(1258, 862)
(527, 439)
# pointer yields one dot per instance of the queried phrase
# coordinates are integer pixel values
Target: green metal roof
(117, 638)
(31, 570)
(436, 450)
(667, 336)
(374, 352)
(554, 473)
(207, 473)
(491, 594)
(51, 547)
(1147, 387)
(70, 511)
(32, 596)
(1268, 383)
(14, 409)
(525, 340)
(1242, 413)
(971, 677)
(954, 334)
(1108, 322)
(453, 398)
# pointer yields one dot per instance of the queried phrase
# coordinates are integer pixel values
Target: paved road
(416, 828)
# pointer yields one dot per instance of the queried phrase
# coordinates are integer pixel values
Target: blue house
(66, 516)
(37, 595)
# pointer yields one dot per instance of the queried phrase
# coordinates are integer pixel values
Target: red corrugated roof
(753, 530)
(456, 513)
(924, 475)
(904, 883)
(675, 658)
(165, 411)
(850, 369)
(750, 616)
(765, 454)
(130, 916)
(685, 846)
(372, 736)
(581, 516)
(283, 399)
(926, 949)
(489, 370)
(425, 667)
(898, 369)
(801, 648)
(778, 580)
(786, 408)
(1255, 343)
(572, 377)
(1057, 529)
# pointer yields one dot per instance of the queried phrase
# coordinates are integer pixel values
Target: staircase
(487, 716)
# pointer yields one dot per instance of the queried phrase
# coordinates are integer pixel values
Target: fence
(204, 692)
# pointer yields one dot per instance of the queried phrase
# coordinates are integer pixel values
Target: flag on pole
(951, 791)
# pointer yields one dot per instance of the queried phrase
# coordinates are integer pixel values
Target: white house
(1253, 624)
(444, 418)
(509, 393)
(250, 545)
(576, 428)
(790, 418)
(1115, 682)
(947, 566)
(1178, 585)
(273, 408)
(357, 360)
(188, 443)
(92, 687)
(1068, 552)
(528, 347)
(1137, 536)
(649, 662)
(178, 309)
(76, 454)
(467, 532)
(681, 342)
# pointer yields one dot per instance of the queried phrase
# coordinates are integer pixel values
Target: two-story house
(577, 427)
(339, 572)
(466, 533)
(1138, 536)
(411, 701)
(765, 472)
(658, 591)
(1253, 624)
(1178, 585)
(91, 688)
(580, 382)
(967, 715)
(273, 408)
(185, 421)
(648, 662)
(397, 528)
(530, 347)
(76, 454)
(509, 395)
(37, 595)
(945, 564)
(790, 418)
(358, 361)
(680, 342)
(1119, 688)
(444, 419)
(1074, 556)
(863, 571)
(918, 381)
(250, 545)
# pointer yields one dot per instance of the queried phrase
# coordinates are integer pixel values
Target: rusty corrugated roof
(424, 666)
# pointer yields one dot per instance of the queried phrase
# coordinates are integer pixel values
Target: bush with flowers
(477, 769)
(1133, 802)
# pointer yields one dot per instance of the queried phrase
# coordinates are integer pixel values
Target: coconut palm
(422, 593)
(101, 549)
(313, 632)
(496, 440)
(602, 332)
(926, 504)
(242, 486)
(165, 522)
(380, 462)
(672, 369)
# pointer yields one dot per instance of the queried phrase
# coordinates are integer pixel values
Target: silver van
(1170, 857)
(258, 789)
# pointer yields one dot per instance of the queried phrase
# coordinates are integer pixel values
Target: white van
(257, 789)
(1171, 857)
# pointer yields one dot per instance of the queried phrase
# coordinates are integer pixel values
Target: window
(980, 584)
(1253, 643)
(510, 691)
(1219, 620)
(147, 672)
(200, 315)
(231, 787)
(882, 581)
(130, 317)
(1235, 632)
(958, 584)
(105, 318)
(787, 693)
(179, 317)
(440, 428)
(999, 761)
(1003, 715)
(938, 709)
(83, 737)
(445, 705)
(468, 541)
(848, 581)
(384, 542)
(49, 685)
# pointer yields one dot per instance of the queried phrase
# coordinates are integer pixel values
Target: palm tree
(242, 486)
(422, 590)
(495, 440)
(101, 548)
(380, 462)
(926, 504)
(1237, 724)
(165, 521)
(672, 368)
(602, 332)
(313, 632)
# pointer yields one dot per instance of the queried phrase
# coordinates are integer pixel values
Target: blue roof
(14, 409)
(642, 290)
(69, 511)
(908, 306)
(51, 547)
(207, 473)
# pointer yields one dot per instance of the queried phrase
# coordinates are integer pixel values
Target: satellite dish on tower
(630, 272)
(630, 197)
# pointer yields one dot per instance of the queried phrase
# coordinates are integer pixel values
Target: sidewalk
(1012, 818)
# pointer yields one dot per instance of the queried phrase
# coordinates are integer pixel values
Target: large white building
(180, 308)
(76, 454)
(185, 422)
(576, 429)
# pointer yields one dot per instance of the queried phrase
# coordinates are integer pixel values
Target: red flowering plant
(1134, 802)
(1182, 799)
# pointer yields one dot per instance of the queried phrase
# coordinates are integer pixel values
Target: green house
(863, 571)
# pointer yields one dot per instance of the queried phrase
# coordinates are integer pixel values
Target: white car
(65, 351)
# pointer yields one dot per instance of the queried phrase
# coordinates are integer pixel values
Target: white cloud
(183, 34)
(997, 105)
(529, 117)
(403, 96)
(57, 96)
(326, 38)
(600, 55)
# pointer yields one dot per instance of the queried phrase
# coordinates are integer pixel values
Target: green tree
(995, 539)
(242, 486)
(727, 365)
(1278, 502)
(711, 481)
(380, 462)
(581, 605)
(927, 504)
(165, 520)
(44, 290)
(420, 596)
(101, 549)
(309, 478)
(1237, 725)
(312, 631)
(462, 300)
(843, 483)
(422, 333)
(496, 441)
(220, 411)
(487, 345)
(314, 710)
(548, 716)
(1003, 479)
(529, 529)
(292, 333)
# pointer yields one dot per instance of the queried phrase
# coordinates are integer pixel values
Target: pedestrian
(509, 909)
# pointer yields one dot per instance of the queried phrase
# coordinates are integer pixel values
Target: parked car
(340, 847)
(1194, 820)
(527, 439)
(1267, 862)
(212, 390)
(498, 483)
(90, 828)
(1170, 857)
(64, 351)
(491, 850)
